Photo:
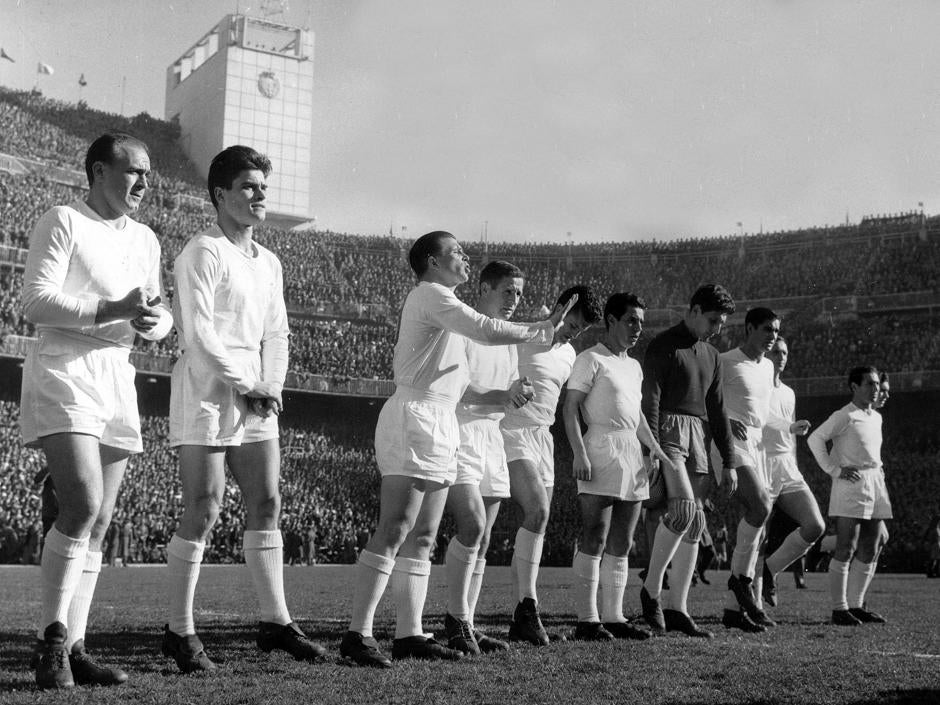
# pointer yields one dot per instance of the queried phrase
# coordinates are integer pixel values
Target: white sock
(838, 579)
(183, 559)
(528, 555)
(264, 556)
(794, 546)
(81, 600)
(758, 582)
(410, 588)
(860, 576)
(473, 589)
(745, 549)
(372, 574)
(458, 564)
(63, 559)
(680, 577)
(587, 569)
(665, 543)
(614, 574)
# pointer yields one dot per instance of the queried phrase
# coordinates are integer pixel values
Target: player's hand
(126, 308)
(652, 465)
(520, 393)
(270, 391)
(581, 467)
(738, 429)
(850, 473)
(264, 407)
(561, 310)
(801, 427)
(731, 477)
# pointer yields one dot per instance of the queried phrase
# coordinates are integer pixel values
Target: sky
(609, 120)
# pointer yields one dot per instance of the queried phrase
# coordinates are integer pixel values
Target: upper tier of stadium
(867, 291)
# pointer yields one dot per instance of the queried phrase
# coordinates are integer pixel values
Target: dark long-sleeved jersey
(682, 375)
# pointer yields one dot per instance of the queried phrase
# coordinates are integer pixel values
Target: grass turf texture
(804, 660)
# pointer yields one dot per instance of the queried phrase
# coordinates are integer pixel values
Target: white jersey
(746, 387)
(75, 260)
(856, 440)
(488, 367)
(779, 441)
(229, 307)
(613, 387)
(430, 354)
(547, 370)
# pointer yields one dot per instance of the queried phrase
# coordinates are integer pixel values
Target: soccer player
(683, 404)
(884, 393)
(788, 490)
(859, 500)
(482, 480)
(92, 282)
(225, 398)
(605, 385)
(748, 378)
(416, 441)
(530, 451)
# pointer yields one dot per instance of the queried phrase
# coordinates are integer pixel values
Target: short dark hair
(497, 270)
(104, 149)
(857, 373)
(232, 161)
(755, 316)
(781, 339)
(588, 303)
(617, 305)
(428, 245)
(883, 377)
(712, 297)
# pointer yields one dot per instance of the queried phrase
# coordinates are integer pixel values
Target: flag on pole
(4, 55)
(81, 81)
(45, 69)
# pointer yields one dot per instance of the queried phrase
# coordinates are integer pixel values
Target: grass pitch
(803, 660)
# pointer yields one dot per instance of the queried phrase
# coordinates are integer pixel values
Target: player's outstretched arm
(446, 311)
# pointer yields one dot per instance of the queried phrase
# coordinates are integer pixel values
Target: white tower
(249, 81)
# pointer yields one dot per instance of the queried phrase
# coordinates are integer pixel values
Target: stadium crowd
(329, 474)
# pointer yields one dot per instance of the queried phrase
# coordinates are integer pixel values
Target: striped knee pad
(680, 515)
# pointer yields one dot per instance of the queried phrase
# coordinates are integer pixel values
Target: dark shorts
(688, 438)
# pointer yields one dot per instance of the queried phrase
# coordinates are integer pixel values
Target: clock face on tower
(268, 84)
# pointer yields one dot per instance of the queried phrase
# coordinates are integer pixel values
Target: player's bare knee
(266, 508)
(536, 517)
(812, 530)
(470, 532)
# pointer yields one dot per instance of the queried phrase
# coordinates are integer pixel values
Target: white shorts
(481, 458)
(205, 411)
(866, 498)
(751, 453)
(73, 387)
(534, 444)
(417, 437)
(617, 468)
(785, 476)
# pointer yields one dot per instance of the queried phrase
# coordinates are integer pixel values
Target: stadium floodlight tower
(250, 81)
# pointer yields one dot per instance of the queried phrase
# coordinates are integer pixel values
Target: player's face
(452, 263)
(884, 393)
(764, 335)
(573, 326)
(123, 182)
(866, 393)
(706, 324)
(501, 300)
(244, 201)
(779, 355)
(626, 331)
